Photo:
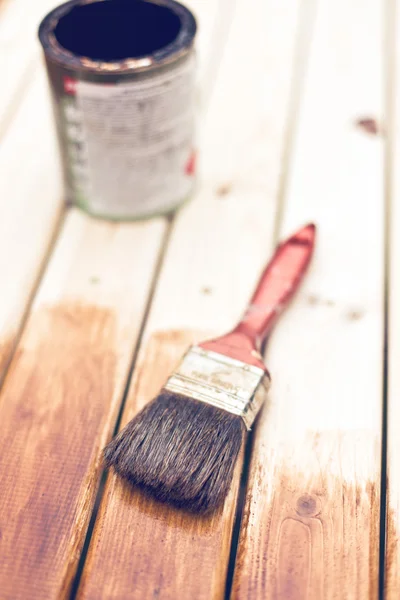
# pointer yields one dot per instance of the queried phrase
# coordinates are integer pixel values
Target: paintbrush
(182, 447)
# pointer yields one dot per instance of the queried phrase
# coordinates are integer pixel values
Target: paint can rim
(165, 55)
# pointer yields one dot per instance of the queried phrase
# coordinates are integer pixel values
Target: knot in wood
(307, 505)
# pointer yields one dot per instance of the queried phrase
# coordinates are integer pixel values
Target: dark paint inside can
(116, 30)
(115, 43)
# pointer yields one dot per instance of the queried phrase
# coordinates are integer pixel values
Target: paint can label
(130, 144)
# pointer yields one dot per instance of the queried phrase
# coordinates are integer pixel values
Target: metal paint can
(122, 75)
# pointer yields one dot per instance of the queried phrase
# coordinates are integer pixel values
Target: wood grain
(310, 529)
(61, 396)
(219, 243)
(156, 551)
(392, 555)
(30, 208)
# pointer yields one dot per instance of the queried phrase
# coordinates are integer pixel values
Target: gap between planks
(387, 558)
(301, 57)
(391, 485)
(100, 492)
(304, 35)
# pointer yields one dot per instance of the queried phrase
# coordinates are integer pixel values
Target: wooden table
(300, 103)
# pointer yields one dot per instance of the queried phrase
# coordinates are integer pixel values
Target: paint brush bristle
(180, 450)
(183, 446)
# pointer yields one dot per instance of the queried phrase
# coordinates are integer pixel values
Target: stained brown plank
(311, 522)
(145, 533)
(61, 396)
(219, 244)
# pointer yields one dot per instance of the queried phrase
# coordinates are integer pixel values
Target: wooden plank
(61, 396)
(392, 562)
(30, 207)
(310, 527)
(214, 22)
(219, 243)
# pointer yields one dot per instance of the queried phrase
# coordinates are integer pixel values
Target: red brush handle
(277, 286)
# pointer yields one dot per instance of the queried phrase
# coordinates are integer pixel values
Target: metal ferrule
(220, 381)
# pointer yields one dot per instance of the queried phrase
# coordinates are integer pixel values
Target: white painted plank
(30, 205)
(311, 522)
(218, 245)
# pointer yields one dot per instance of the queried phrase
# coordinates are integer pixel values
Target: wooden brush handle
(277, 286)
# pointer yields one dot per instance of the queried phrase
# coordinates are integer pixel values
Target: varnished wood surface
(60, 399)
(141, 549)
(298, 121)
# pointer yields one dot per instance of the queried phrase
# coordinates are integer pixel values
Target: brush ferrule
(223, 382)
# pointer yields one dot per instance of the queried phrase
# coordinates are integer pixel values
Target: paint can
(122, 76)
